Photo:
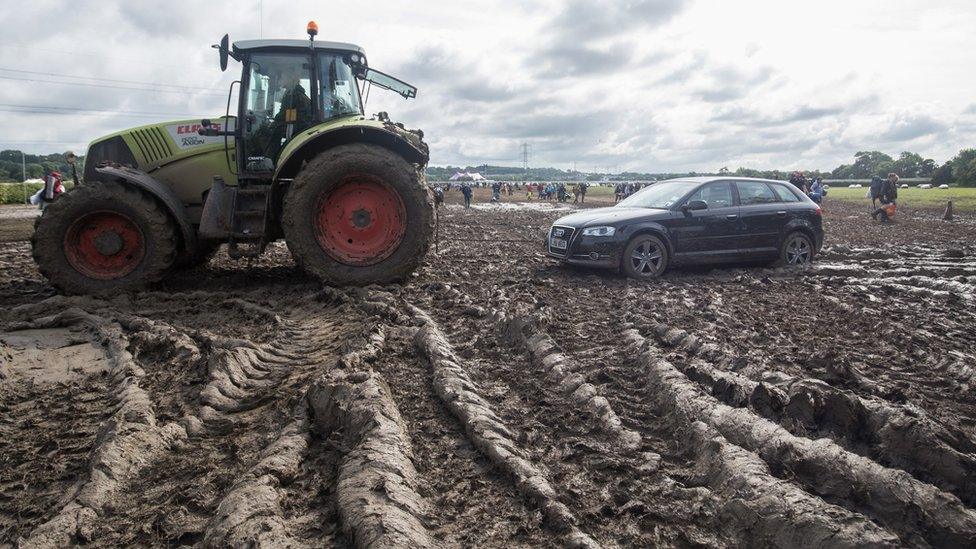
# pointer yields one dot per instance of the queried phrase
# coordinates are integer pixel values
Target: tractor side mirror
(224, 50)
(695, 205)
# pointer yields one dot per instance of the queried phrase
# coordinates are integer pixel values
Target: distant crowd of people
(623, 190)
(548, 191)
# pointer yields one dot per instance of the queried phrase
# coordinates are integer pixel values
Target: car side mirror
(695, 205)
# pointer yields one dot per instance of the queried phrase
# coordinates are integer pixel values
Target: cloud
(650, 85)
(906, 127)
(586, 20)
(575, 41)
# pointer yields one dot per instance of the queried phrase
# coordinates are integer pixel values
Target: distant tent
(467, 176)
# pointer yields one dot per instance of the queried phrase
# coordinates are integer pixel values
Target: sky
(638, 85)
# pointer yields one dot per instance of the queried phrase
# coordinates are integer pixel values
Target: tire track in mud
(215, 419)
(127, 442)
(918, 512)
(488, 433)
(470, 504)
(617, 494)
(894, 435)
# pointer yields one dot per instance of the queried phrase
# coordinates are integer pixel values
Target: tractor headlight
(599, 231)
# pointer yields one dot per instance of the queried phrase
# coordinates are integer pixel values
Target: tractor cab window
(278, 106)
(339, 88)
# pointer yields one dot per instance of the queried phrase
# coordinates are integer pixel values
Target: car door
(703, 234)
(762, 215)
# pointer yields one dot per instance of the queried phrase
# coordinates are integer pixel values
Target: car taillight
(819, 212)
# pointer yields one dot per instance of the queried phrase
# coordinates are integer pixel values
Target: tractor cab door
(287, 93)
(277, 105)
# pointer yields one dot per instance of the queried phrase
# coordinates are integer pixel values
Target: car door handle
(732, 217)
(781, 213)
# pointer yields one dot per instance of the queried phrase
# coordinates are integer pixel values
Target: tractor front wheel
(104, 238)
(358, 214)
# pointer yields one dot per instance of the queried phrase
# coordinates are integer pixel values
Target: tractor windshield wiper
(388, 82)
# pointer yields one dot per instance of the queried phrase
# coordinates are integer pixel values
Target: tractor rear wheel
(358, 214)
(104, 238)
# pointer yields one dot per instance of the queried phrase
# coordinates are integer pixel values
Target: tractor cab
(289, 86)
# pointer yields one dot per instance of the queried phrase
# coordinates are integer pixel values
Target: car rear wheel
(797, 249)
(644, 257)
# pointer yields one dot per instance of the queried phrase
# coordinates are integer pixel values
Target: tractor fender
(165, 195)
(409, 145)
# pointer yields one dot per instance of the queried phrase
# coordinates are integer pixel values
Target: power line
(44, 109)
(75, 53)
(102, 113)
(92, 85)
(159, 84)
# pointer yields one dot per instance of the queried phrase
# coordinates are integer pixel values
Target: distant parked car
(692, 220)
(943, 186)
(854, 186)
(925, 186)
(904, 185)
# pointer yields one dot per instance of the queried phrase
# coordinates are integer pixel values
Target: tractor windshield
(279, 100)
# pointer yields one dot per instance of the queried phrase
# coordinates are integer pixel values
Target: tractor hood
(355, 128)
(148, 148)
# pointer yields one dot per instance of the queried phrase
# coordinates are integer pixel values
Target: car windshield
(660, 196)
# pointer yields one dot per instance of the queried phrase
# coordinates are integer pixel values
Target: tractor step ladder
(250, 222)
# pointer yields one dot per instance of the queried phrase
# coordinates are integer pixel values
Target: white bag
(35, 198)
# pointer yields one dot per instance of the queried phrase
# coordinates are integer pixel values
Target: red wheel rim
(104, 245)
(360, 222)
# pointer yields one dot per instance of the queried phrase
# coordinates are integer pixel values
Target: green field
(963, 198)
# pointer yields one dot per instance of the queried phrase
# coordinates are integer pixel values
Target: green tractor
(299, 161)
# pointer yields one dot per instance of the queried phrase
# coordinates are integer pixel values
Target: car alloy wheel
(647, 258)
(798, 250)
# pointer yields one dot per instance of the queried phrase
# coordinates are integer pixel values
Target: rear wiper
(388, 82)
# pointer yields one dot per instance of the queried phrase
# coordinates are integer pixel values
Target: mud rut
(499, 400)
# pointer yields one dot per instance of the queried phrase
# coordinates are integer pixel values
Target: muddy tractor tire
(358, 214)
(103, 238)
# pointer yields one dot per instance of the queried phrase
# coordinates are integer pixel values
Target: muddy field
(501, 400)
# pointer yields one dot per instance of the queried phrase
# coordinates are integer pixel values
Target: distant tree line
(37, 165)
(960, 170)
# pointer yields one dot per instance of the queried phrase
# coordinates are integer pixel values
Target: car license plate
(558, 243)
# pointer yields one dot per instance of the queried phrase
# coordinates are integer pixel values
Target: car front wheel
(644, 257)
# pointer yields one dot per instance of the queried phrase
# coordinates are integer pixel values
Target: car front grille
(567, 235)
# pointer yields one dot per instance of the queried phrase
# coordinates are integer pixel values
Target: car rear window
(755, 192)
(785, 194)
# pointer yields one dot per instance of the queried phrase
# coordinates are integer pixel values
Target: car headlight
(599, 231)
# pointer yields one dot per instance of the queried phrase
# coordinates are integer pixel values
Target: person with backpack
(438, 196)
(582, 190)
(875, 191)
(466, 191)
(496, 191)
(888, 198)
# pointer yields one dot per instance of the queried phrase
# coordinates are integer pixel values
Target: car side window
(785, 194)
(716, 195)
(755, 192)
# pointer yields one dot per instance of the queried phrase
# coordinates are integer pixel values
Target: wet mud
(498, 399)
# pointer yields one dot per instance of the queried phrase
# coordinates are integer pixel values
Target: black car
(692, 220)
